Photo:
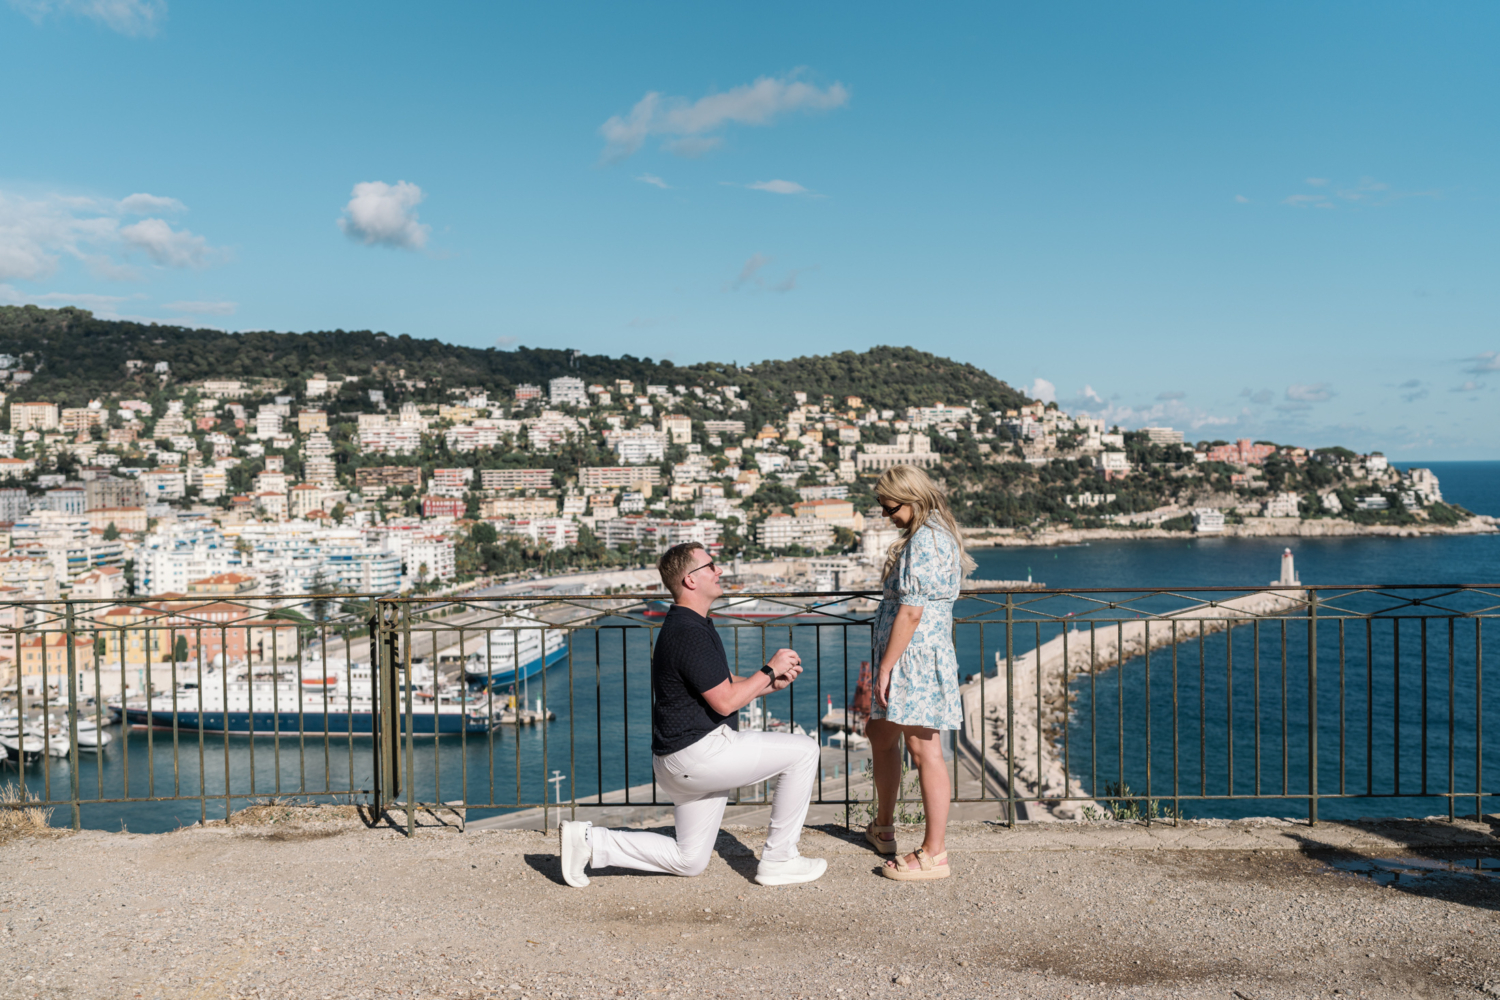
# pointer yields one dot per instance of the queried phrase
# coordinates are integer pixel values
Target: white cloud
(10, 295)
(750, 269)
(1486, 361)
(1168, 410)
(1043, 390)
(128, 17)
(1169, 395)
(1315, 392)
(37, 232)
(688, 125)
(203, 308)
(778, 187)
(148, 204)
(1414, 390)
(505, 343)
(787, 284)
(1366, 191)
(168, 246)
(1469, 386)
(654, 181)
(1241, 199)
(382, 214)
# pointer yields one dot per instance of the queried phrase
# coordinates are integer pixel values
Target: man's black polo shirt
(688, 660)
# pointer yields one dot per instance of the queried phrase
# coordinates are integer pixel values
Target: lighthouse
(1288, 571)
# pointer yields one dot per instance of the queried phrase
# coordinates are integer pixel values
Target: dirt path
(307, 909)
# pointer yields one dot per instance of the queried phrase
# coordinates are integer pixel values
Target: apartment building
(389, 439)
(451, 482)
(598, 477)
(1282, 505)
(515, 479)
(678, 427)
(431, 557)
(568, 390)
(652, 534)
(781, 531)
(556, 532)
(388, 476)
(518, 507)
(113, 491)
(34, 417)
(76, 419)
(441, 506)
(312, 420)
(164, 483)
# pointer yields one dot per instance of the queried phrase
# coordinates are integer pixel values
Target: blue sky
(1274, 220)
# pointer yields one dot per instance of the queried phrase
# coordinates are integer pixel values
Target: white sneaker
(793, 872)
(573, 845)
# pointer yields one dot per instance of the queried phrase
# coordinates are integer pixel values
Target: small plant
(17, 819)
(1123, 807)
(906, 814)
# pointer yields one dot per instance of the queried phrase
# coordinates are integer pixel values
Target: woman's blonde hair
(907, 484)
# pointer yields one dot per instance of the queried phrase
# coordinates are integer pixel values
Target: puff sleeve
(920, 576)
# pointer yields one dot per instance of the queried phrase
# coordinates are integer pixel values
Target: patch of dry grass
(18, 819)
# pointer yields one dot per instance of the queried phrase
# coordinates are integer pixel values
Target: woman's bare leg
(926, 750)
(885, 761)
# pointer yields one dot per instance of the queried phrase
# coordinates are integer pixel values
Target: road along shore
(1254, 527)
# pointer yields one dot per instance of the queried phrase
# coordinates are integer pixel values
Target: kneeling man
(698, 752)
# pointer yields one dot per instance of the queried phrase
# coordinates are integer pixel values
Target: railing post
(1312, 708)
(72, 717)
(1010, 714)
(383, 697)
(408, 717)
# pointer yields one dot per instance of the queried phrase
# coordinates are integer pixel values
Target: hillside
(75, 357)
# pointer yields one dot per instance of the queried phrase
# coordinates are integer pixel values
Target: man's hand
(783, 661)
(786, 679)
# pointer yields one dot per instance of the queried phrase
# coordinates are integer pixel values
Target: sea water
(600, 739)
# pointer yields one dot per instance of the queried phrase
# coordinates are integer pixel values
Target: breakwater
(1037, 690)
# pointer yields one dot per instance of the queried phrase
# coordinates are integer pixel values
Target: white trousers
(698, 779)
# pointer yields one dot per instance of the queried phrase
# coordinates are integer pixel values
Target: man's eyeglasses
(707, 565)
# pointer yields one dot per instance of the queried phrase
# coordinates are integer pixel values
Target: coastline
(1255, 527)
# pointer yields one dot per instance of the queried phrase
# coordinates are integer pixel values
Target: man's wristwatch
(770, 674)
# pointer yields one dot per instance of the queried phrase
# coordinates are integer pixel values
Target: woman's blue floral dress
(924, 683)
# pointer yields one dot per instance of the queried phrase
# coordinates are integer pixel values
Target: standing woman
(916, 680)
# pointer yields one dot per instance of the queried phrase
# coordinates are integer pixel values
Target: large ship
(512, 653)
(332, 700)
(733, 608)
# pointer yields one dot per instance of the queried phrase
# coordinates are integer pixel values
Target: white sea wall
(1039, 710)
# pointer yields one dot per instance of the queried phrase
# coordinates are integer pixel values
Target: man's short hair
(675, 563)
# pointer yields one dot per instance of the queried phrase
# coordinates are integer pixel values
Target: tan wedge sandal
(928, 868)
(872, 834)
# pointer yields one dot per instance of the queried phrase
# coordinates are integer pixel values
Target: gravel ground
(296, 905)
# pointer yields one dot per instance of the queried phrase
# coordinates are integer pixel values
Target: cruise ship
(512, 653)
(734, 608)
(335, 700)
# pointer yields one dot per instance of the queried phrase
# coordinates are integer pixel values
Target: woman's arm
(902, 629)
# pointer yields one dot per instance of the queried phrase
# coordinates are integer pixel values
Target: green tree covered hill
(74, 357)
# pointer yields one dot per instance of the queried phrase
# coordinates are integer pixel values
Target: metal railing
(1127, 703)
